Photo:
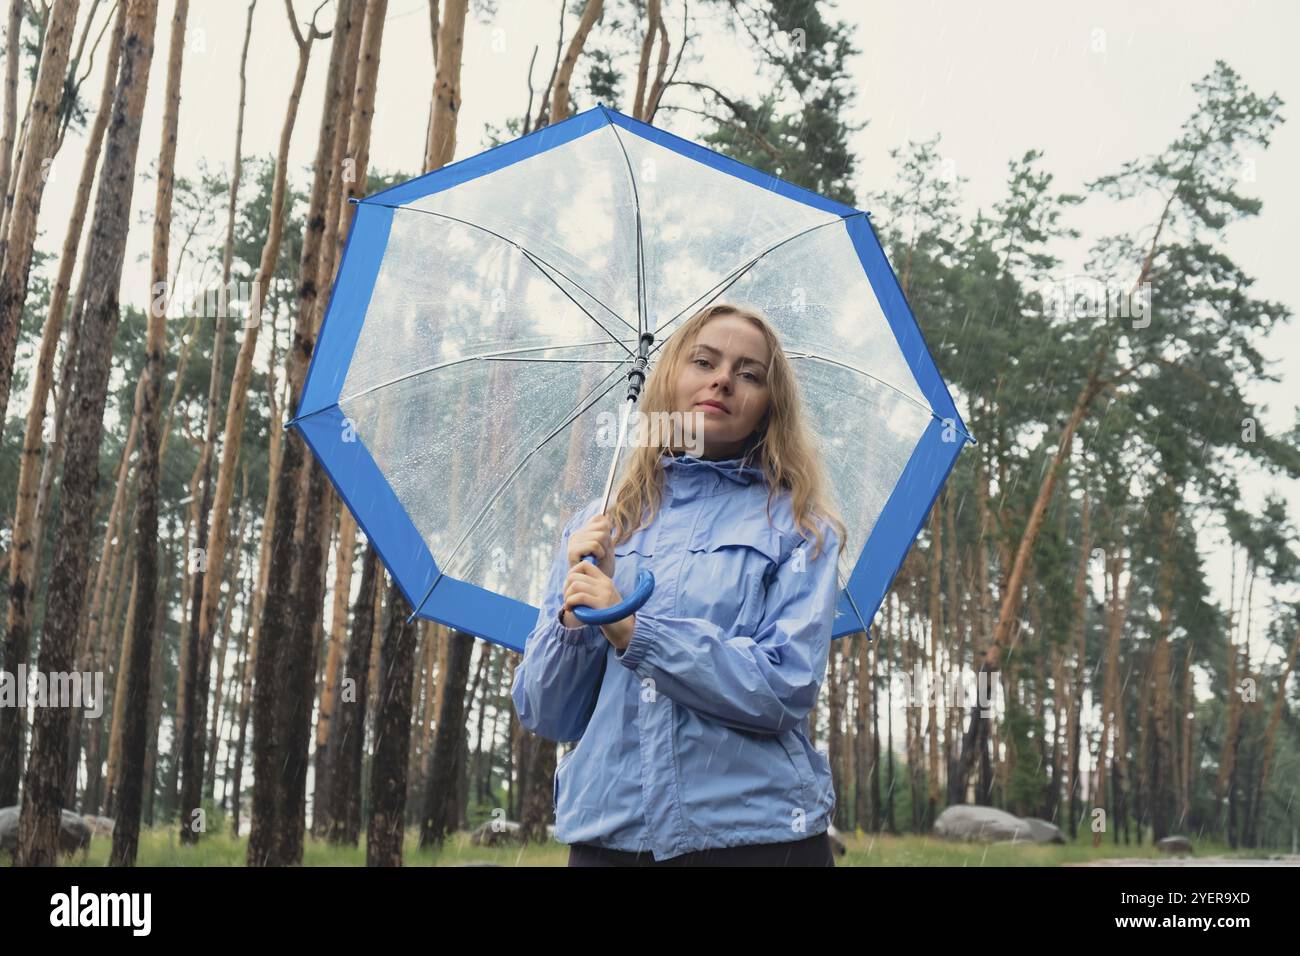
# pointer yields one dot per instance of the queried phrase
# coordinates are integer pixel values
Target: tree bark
(313, 512)
(560, 94)
(126, 831)
(42, 143)
(1008, 613)
(443, 112)
(23, 563)
(39, 821)
(13, 54)
(1080, 662)
(392, 736)
(348, 728)
(191, 673)
(275, 629)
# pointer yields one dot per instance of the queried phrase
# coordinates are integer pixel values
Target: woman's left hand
(588, 585)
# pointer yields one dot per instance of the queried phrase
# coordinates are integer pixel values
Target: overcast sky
(1091, 84)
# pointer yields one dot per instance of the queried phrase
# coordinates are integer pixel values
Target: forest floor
(160, 846)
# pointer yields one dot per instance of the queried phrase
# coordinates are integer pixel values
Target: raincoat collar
(687, 473)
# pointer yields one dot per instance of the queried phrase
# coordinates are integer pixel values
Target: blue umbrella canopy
(485, 317)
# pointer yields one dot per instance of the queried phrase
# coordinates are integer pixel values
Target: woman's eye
(700, 361)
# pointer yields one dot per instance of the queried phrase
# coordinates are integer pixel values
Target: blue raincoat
(695, 736)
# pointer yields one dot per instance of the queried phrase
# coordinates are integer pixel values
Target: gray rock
(99, 826)
(970, 822)
(1174, 844)
(495, 833)
(501, 833)
(74, 831)
(1044, 832)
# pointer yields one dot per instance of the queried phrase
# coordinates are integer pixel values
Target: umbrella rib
(535, 259)
(493, 358)
(505, 482)
(474, 358)
(640, 251)
(874, 378)
(728, 281)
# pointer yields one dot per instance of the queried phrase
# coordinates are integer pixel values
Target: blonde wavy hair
(781, 445)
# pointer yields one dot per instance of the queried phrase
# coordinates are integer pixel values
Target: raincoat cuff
(643, 636)
(584, 636)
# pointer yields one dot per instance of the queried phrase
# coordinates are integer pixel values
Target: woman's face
(722, 385)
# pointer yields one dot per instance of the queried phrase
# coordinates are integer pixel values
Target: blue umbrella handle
(645, 585)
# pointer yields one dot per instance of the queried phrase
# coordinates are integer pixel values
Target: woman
(692, 713)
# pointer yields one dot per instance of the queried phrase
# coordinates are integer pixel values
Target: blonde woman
(692, 714)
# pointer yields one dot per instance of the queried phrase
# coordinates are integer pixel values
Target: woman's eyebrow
(742, 360)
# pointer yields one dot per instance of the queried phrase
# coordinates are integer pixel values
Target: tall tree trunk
(644, 103)
(312, 513)
(23, 564)
(392, 737)
(891, 635)
(13, 54)
(1107, 764)
(440, 146)
(155, 699)
(438, 794)
(345, 556)
(126, 831)
(1080, 662)
(936, 639)
(42, 142)
(835, 745)
(1163, 765)
(348, 728)
(39, 822)
(560, 95)
(209, 786)
(275, 630)
(863, 741)
(119, 700)
(1008, 613)
(192, 685)
(1270, 732)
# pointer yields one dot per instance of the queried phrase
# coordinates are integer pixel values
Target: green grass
(865, 849)
(160, 846)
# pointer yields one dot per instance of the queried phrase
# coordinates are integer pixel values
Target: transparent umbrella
(491, 324)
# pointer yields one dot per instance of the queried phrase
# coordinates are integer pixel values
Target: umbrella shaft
(635, 379)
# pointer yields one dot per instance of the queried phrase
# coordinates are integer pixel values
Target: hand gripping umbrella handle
(645, 585)
(645, 581)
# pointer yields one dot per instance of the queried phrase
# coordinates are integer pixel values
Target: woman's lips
(710, 405)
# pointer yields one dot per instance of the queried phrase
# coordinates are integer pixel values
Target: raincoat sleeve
(764, 684)
(557, 682)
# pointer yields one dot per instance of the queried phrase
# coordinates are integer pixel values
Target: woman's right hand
(594, 538)
(591, 538)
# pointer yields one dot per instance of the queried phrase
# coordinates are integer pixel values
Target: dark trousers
(812, 851)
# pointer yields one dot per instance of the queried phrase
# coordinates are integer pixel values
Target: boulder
(1044, 832)
(1174, 845)
(74, 831)
(969, 822)
(495, 832)
(99, 826)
